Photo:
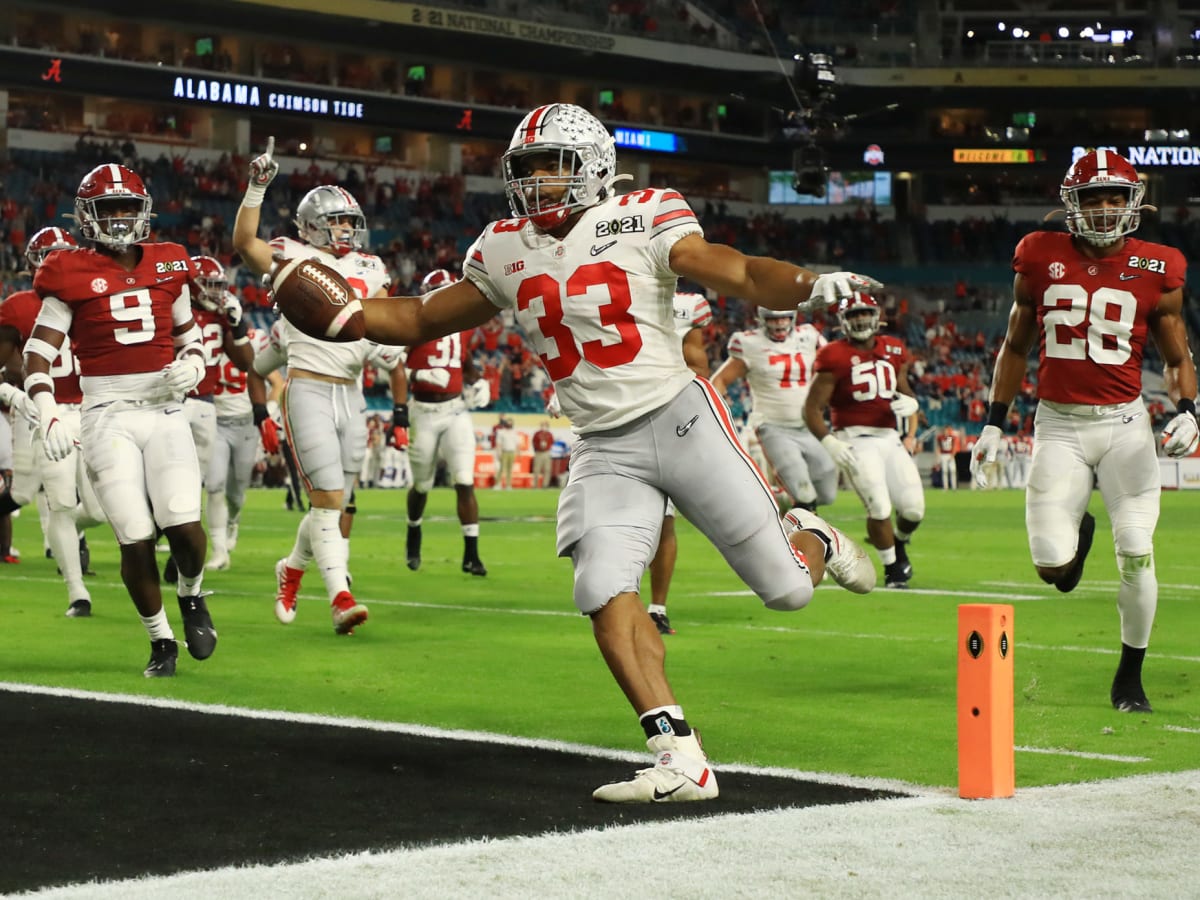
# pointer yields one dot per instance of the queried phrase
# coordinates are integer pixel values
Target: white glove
(232, 308)
(1181, 436)
(263, 170)
(183, 374)
(986, 449)
(553, 407)
(842, 455)
(438, 377)
(905, 406)
(832, 287)
(18, 401)
(57, 438)
(479, 394)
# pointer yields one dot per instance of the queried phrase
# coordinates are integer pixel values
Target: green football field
(853, 685)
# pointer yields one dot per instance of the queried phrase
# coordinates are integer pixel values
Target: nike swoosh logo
(1128, 419)
(596, 251)
(1125, 277)
(683, 429)
(161, 280)
(170, 412)
(663, 795)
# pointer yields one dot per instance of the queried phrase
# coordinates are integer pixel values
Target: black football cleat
(472, 567)
(902, 558)
(1087, 530)
(163, 655)
(1129, 697)
(412, 547)
(79, 609)
(894, 575)
(198, 630)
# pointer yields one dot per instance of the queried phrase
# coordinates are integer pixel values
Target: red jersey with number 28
(21, 312)
(866, 381)
(121, 320)
(1092, 313)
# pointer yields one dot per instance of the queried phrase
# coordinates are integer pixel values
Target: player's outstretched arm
(406, 321)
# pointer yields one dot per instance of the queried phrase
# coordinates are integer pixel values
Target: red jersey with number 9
(866, 381)
(121, 320)
(1092, 313)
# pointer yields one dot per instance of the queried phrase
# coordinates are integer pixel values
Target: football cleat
(894, 575)
(79, 609)
(163, 654)
(846, 561)
(902, 558)
(347, 613)
(198, 630)
(412, 547)
(472, 567)
(1087, 530)
(287, 583)
(231, 536)
(1129, 697)
(218, 562)
(680, 774)
(662, 623)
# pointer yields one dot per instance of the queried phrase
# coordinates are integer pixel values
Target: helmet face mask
(44, 242)
(859, 316)
(330, 218)
(776, 324)
(576, 156)
(212, 281)
(1090, 181)
(112, 207)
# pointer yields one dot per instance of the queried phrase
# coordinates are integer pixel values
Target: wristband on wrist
(260, 413)
(997, 414)
(400, 415)
(254, 195)
(1186, 406)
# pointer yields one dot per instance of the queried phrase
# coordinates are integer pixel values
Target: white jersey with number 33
(598, 305)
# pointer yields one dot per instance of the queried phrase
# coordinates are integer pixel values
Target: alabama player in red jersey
(863, 380)
(947, 447)
(590, 275)
(71, 503)
(1089, 298)
(440, 425)
(125, 306)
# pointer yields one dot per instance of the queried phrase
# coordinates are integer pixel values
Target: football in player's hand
(318, 300)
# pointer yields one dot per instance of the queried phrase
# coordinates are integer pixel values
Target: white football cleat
(848, 563)
(231, 536)
(218, 562)
(681, 773)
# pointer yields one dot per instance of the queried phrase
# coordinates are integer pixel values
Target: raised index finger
(270, 146)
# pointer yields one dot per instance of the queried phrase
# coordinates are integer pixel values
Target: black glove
(400, 415)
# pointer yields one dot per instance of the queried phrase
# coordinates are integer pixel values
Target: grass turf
(856, 685)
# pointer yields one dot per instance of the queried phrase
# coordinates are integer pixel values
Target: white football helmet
(776, 324)
(321, 209)
(568, 139)
(1103, 170)
(859, 316)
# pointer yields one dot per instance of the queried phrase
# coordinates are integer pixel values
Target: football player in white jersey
(323, 396)
(777, 360)
(692, 313)
(591, 275)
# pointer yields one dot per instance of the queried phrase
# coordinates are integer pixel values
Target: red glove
(267, 428)
(400, 438)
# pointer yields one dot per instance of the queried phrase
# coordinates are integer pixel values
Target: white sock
(43, 506)
(657, 608)
(64, 542)
(157, 626)
(302, 552)
(887, 555)
(218, 524)
(189, 587)
(1137, 598)
(329, 549)
(471, 530)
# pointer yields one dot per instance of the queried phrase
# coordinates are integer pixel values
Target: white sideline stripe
(1110, 757)
(1181, 728)
(270, 715)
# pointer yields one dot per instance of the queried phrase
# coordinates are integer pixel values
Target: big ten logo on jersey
(514, 267)
(170, 265)
(623, 225)
(1149, 265)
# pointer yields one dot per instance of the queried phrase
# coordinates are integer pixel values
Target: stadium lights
(1000, 26)
(1064, 31)
(1087, 32)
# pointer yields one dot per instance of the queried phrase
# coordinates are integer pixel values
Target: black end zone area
(118, 790)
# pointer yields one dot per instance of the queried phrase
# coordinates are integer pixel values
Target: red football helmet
(44, 241)
(112, 207)
(438, 278)
(859, 316)
(1102, 170)
(212, 282)
(776, 324)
